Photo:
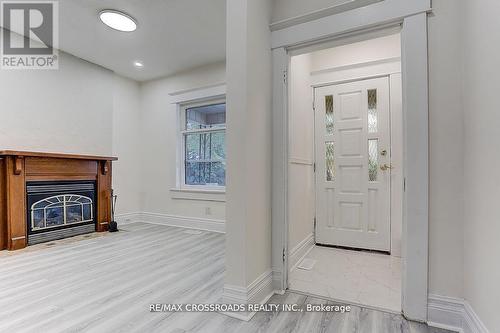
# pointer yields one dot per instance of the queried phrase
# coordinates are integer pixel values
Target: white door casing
(412, 15)
(353, 160)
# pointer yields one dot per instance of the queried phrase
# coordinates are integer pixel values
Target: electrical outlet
(208, 211)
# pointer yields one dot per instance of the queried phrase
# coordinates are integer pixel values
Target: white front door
(353, 160)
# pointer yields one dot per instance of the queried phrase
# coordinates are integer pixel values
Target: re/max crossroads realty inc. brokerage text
(221, 307)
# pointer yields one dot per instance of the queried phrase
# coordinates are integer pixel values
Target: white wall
(80, 108)
(286, 9)
(446, 248)
(248, 227)
(301, 156)
(83, 108)
(127, 171)
(258, 135)
(69, 110)
(159, 135)
(481, 82)
(376, 49)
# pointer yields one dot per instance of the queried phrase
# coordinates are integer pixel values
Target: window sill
(198, 194)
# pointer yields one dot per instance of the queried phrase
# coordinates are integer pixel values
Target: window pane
(206, 173)
(194, 147)
(218, 145)
(329, 114)
(330, 162)
(195, 173)
(207, 116)
(372, 159)
(218, 173)
(206, 146)
(198, 146)
(372, 111)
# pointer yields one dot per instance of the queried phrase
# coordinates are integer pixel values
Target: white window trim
(181, 170)
(198, 194)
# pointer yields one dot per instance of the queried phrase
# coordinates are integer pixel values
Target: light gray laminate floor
(106, 282)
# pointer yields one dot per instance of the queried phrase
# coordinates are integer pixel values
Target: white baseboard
(173, 221)
(472, 323)
(454, 314)
(445, 312)
(128, 218)
(258, 292)
(300, 251)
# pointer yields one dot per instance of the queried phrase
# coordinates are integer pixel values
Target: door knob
(386, 167)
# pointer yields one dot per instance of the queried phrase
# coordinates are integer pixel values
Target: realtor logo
(29, 35)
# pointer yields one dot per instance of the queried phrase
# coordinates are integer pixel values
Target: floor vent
(307, 264)
(60, 234)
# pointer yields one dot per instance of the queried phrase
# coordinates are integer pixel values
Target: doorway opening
(345, 171)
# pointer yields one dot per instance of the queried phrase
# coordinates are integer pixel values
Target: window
(203, 130)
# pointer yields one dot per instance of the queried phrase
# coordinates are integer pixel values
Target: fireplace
(59, 209)
(48, 196)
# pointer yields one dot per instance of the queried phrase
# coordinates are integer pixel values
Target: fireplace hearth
(60, 209)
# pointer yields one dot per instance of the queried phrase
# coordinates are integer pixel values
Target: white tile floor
(364, 278)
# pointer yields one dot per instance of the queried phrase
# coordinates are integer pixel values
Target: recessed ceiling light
(138, 64)
(118, 20)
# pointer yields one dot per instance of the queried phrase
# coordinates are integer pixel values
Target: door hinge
(314, 167)
(285, 76)
(283, 254)
(314, 106)
(404, 184)
(315, 223)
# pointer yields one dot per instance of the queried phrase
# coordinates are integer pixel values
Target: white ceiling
(172, 35)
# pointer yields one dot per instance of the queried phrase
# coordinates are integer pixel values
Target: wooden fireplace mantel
(55, 155)
(19, 167)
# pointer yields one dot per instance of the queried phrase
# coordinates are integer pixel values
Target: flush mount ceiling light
(118, 20)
